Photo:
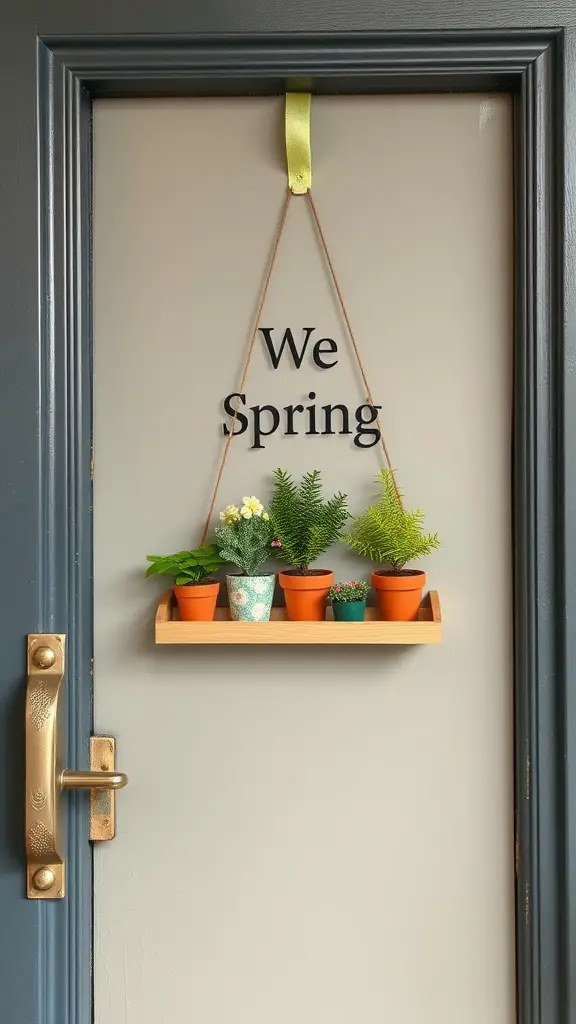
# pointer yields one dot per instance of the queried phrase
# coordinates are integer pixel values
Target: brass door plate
(102, 801)
(45, 841)
(47, 780)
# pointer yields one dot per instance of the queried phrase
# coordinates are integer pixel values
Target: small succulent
(351, 590)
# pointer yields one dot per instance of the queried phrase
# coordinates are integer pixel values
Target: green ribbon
(298, 142)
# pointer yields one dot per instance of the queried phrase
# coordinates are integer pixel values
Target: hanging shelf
(169, 629)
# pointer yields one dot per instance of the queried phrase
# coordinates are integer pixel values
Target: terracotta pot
(305, 596)
(197, 601)
(399, 596)
(250, 597)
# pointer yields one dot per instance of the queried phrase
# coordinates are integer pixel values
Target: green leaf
(192, 566)
(162, 566)
(185, 579)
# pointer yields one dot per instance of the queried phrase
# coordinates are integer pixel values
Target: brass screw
(44, 657)
(43, 879)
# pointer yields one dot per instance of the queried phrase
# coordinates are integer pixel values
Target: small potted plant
(305, 526)
(195, 591)
(349, 600)
(389, 535)
(244, 539)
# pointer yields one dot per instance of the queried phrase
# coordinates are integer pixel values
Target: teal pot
(250, 597)
(349, 611)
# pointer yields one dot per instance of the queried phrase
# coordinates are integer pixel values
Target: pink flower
(276, 543)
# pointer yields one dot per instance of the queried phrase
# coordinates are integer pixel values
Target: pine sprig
(387, 534)
(303, 522)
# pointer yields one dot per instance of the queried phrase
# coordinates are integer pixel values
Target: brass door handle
(93, 780)
(46, 779)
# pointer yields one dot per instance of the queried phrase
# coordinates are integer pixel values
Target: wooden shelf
(169, 629)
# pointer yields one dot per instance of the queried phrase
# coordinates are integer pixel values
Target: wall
(306, 835)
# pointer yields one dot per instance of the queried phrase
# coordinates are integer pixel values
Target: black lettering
(361, 423)
(241, 419)
(317, 352)
(290, 410)
(266, 333)
(312, 416)
(328, 410)
(258, 431)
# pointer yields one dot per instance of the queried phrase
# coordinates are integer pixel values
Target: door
(58, 60)
(309, 832)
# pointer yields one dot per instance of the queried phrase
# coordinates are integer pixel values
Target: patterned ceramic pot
(250, 597)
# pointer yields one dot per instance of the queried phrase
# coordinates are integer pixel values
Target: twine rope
(338, 291)
(247, 361)
(252, 342)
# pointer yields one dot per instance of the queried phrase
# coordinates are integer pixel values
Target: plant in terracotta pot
(389, 535)
(304, 527)
(195, 591)
(349, 600)
(244, 539)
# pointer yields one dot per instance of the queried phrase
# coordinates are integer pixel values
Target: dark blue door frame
(45, 390)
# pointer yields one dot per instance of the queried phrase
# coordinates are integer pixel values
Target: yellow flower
(265, 516)
(254, 506)
(246, 512)
(231, 514)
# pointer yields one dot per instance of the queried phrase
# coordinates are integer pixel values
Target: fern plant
(304, 524)
(187, 566)
(389, 535)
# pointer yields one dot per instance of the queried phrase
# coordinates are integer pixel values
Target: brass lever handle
(93, 780)
(46, 780)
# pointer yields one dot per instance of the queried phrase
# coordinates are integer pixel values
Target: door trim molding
(65, 516)
(531, 64)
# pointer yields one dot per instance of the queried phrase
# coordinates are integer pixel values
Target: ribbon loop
(298, 142)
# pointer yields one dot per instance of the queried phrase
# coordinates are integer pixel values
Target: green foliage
(352, 590)
(245, 543)
(387, 534)
(304, 523)
(187, 566)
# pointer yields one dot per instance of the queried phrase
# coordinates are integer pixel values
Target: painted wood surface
(45, 410)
